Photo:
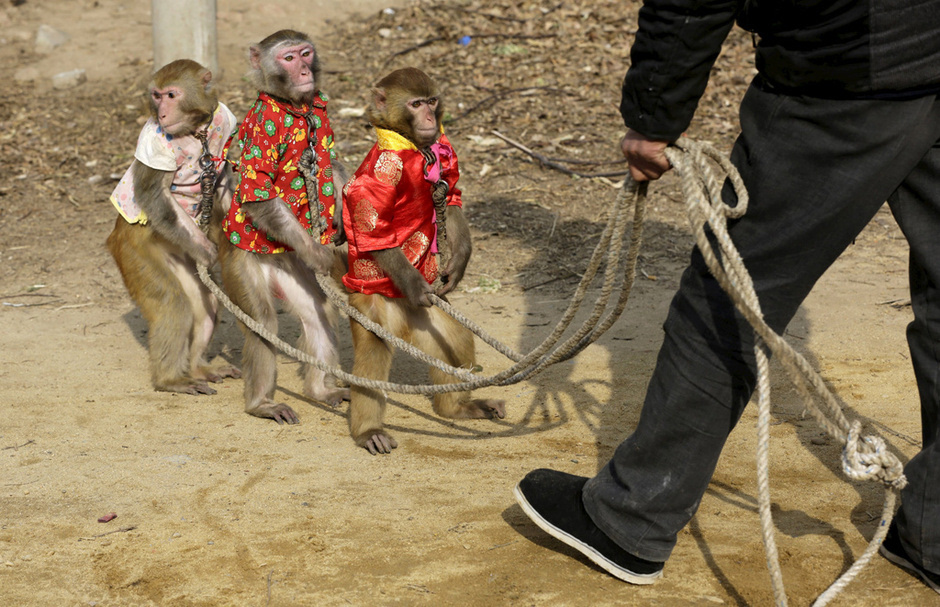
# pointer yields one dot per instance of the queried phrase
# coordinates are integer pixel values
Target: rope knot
(867, 458)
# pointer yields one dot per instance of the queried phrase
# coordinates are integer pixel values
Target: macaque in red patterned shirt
(392, 228)
(270, 251)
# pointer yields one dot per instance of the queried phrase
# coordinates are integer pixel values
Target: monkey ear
(379, 98)
(254, 57)
(206, 79)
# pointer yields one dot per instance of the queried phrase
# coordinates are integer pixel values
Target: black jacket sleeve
(675, 47)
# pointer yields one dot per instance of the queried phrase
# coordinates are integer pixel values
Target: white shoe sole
(596, 557)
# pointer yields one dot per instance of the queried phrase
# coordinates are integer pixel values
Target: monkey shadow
(409, 371)
(558, 251)
(226, 341)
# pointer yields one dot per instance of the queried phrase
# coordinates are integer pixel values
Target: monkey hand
(339, 237)
(418, 293)
(204, 252)
(453, 273)
(459, 247)
(316, 256)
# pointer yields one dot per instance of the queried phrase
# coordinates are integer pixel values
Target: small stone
(48, 39)
(95, 179)
(69, 79)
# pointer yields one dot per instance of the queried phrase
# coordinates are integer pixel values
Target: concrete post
(185, 29)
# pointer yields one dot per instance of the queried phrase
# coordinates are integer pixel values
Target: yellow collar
(390, 140)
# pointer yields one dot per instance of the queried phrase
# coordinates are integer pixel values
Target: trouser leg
(817, 171)
(916, 206)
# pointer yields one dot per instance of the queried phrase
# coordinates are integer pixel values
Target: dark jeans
(817, 171)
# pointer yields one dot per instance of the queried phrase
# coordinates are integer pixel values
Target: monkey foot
(485, 408)
(186, 387)
(332, 397)
(279, 412)
(377, 441)
(217, 375)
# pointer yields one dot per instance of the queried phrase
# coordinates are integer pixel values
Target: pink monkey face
(424, 120)
(297, 62)
(167, 103)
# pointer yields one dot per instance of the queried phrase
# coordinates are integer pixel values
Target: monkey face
(424, 124)
(168, 109)
(297, 61)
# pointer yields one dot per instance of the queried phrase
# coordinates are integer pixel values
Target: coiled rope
(863, 458)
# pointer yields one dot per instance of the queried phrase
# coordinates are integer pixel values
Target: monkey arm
(166, 217)
(274, 218)
(460, 247)
(406, 277)
(340, 177)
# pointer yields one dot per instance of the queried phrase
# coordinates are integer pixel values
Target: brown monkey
(272, 251)
(156, 241)
(390, 222)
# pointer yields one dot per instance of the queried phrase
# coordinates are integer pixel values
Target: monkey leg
(247, 278)
(150, 268)
(205, 308)
(304, 298)
(372, 360)
(439, 335)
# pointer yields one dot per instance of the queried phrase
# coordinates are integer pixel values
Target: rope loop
(866, 458)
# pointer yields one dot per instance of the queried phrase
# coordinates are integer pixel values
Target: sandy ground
(215, 507)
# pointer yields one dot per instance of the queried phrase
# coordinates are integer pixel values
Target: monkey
(270, 250)
(391, 227)
(156, 242)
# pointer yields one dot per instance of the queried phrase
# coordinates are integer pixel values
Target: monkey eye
(171, 95)
(432, 101)
(416, 103)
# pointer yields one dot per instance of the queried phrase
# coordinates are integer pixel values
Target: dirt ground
(215, 507)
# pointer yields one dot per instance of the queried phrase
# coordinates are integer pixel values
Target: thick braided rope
(538, 359)
(862, 457)
(609, 247)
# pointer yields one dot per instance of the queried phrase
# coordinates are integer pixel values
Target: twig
(27, 295)
(24, 305)
(423, 44)
(97, 535)
(503, 94)
(431, 41)
(549, 281)
(554, 165)
(489, 16)
(66, 307)
(15, 447)
(270, 573)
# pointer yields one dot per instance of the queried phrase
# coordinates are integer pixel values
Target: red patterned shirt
(388, 204)
(272, 138)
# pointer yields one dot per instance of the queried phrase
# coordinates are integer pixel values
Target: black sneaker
(894, 551)
(553, 501)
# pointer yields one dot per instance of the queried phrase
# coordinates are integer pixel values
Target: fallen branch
(503, 95)
(97, 535)
(546, 162)
(15, 447)
(431, 41)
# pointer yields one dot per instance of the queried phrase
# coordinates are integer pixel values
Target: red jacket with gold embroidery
(388, 204)
(271, 139)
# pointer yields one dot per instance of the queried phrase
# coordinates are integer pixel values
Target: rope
(863, 457)
(548, 352)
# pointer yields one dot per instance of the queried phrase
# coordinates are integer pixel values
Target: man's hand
(645, 155)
